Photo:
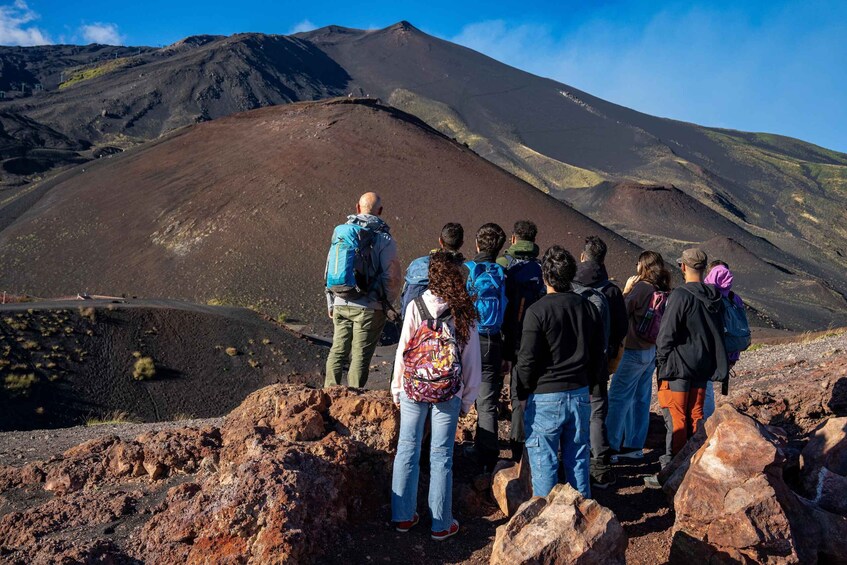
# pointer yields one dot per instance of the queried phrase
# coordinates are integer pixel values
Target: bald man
(359, 316)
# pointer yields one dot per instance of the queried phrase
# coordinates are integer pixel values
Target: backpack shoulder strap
(421, 306)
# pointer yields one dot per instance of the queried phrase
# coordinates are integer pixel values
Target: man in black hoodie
(690, 351)
(591, 272)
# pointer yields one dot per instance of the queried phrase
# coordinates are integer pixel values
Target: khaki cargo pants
(355, 337)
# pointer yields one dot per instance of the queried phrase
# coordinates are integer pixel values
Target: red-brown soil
(241, 209)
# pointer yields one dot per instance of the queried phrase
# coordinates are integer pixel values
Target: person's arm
(392, 273)
(532, 344)
(471, 371)
(330, 298)
(672, 322)
(411, 321)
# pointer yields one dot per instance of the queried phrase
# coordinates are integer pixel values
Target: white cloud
(302, 26)
(104, 33)
(14, 29)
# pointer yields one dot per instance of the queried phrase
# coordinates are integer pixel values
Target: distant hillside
(240, 210)
(780, 199)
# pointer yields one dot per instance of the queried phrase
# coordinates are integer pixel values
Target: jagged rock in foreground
(734, 505)
(274, 484)
(511, 484)
(562, 528)
(823, 466)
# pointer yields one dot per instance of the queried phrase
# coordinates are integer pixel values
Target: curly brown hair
(447, 281)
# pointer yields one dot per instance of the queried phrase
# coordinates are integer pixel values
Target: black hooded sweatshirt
(593, 274)
(690, 345)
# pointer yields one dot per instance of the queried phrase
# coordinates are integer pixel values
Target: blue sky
(775, 66)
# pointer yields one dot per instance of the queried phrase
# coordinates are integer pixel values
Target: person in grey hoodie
(357, 323)
(690, 351)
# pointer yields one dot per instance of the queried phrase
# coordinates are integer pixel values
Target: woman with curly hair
(437, 372)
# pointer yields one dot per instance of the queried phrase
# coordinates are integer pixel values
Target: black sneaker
(603, 481)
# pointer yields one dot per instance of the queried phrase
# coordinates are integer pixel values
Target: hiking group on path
(579, 352)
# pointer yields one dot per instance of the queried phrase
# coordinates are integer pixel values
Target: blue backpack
(416, 282)
(349, 265)
(736, 328)
(487, 282)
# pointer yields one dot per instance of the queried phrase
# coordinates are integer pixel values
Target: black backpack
(524, 286)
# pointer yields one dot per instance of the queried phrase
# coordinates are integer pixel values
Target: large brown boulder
(511, 484)
(275, 484)
(560, 529)
(734, 505)
(823, 466)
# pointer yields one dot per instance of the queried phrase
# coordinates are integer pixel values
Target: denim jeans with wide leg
(630, 393)
(559, 421)
(404, 485)
(709, 405)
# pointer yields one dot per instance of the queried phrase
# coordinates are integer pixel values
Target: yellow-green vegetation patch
(19, 383)
(144, 369)
(81, 75)
(109, 418)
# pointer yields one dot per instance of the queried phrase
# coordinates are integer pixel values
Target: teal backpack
(736, 327)
(349, 264)
(487, 282)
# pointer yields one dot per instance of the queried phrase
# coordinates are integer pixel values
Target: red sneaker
(404, 527)
(449, 533)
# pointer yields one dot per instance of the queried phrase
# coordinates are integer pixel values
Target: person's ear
(379, 212)
(514, 239)
(582, 257)
(358, 209)
(440, 243)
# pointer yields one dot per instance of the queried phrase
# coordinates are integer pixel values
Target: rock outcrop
(289, 461)
(511, 484)
(823, 466)
(734, 505)
(560, 529)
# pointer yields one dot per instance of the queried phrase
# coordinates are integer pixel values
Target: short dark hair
(525, 230)
(595, 249)
(490, 238)
(558, 268)
(453, 236)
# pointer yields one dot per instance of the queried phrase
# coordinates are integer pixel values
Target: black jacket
(690, 345)
(561, 346)
(593, 274)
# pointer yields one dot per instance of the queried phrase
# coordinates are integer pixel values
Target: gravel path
(806, 349)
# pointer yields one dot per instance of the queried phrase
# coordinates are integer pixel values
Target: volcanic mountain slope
(64, 363)
(138, 95)
(240, 210)
(561, 139)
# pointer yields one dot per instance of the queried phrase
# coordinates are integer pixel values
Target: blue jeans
(554, 421)
(709, 405)
(630, 393)
(404, 485)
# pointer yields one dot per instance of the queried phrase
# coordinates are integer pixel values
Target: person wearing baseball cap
(690, 352)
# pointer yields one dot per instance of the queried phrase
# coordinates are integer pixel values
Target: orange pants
(686, 411)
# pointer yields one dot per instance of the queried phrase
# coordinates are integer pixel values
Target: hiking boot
(603, 481)
(652, 481)
(627, 456)
(404, 527)
(449, 533)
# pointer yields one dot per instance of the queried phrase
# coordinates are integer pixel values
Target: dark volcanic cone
(241, 209)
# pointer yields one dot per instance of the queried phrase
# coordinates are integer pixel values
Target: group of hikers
(579, 352)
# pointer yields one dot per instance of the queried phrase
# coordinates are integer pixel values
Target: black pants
(488, 400)
(517, 437)
(600, 450)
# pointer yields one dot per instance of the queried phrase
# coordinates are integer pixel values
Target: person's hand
(506, 367)
(330, 313)
(523, 405)
(630, 282)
